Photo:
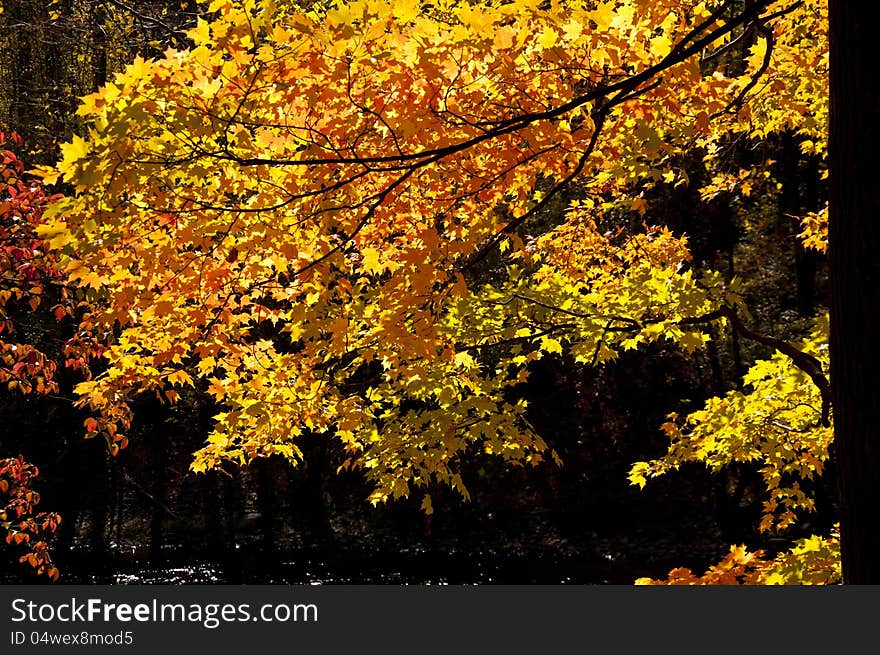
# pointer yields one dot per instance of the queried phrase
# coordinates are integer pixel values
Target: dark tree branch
(804, 361)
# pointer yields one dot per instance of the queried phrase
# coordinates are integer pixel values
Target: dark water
(412, 566)
(409, 568)
(602, 562)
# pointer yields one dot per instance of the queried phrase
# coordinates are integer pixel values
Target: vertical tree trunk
(854, 260)
(215, 527)
(232, 565)
(315, 496)
(718, 384)
(99, 44)
(100, 514)
(791, 206)
(266, 504)
(115, 531)
(739, 369)
(160, 493)
(810, 261)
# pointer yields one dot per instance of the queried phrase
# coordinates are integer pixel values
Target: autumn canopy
(365, 220)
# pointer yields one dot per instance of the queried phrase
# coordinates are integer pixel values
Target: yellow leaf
(180, 377)
(464, 360)
(406, 10)
(504, 37)
(75, 150)
(550, 345)
(548, 38)
(370, 261)
(48, 174)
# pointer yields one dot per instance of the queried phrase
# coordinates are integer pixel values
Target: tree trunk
(791, 206)
(854, 244)
(160, 493)
(810, 261)
(266, 504)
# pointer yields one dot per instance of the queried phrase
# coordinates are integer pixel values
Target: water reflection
(414, 566)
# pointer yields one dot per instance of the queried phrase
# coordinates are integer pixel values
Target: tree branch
(804, 361)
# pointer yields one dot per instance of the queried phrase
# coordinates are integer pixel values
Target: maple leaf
(550, 345)
(370, 260)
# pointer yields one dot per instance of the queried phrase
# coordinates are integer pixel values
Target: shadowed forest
(504, 292)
